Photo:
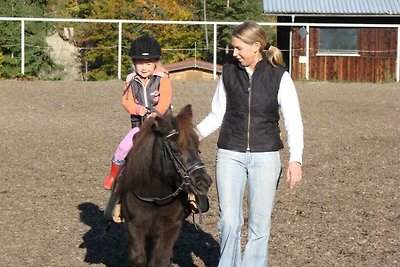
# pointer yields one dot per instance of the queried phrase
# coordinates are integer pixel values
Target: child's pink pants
(124, 147)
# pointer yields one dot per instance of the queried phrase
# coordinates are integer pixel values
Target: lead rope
(200, 220)
(193, 207)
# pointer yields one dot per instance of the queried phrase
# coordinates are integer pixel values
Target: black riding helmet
(145, 47)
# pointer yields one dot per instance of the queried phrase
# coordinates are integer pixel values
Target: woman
(246, 105)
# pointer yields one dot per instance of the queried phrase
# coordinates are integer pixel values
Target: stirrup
(113, 208)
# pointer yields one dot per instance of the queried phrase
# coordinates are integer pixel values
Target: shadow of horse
(111, 248)
(195, 241)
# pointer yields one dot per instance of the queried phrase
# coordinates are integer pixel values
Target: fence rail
(215, 24)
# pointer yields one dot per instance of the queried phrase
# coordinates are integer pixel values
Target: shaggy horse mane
(183, 122)
(187, 133)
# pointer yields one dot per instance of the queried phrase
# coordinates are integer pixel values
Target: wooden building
(192, 69)
(342, 40)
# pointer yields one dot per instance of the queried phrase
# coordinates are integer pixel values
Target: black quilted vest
(151, 94)
(252, 112)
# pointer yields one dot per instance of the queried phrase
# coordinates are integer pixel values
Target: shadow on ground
(111, 247)
(194, 242)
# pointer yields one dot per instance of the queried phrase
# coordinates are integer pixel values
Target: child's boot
(115, 169)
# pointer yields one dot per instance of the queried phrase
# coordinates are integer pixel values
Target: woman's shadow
(193, 240)
(111, 247)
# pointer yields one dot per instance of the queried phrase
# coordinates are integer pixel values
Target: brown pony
(160, 171)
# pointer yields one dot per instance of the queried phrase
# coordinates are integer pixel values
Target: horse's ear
(186, 112)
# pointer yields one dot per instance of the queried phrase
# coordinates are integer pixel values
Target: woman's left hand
(294, 173)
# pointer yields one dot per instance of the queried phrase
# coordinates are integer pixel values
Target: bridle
(183, 172)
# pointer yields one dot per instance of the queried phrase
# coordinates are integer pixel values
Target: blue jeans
(261, 172)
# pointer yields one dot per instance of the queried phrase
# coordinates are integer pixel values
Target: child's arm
(165, 95)
(130, 105)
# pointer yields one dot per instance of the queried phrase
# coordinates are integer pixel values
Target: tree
(37, 58)
(100, 40)
(235, 11)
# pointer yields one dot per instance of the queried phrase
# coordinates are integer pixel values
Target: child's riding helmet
(145, 47)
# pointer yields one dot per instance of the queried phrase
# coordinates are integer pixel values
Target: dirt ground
(57, 139)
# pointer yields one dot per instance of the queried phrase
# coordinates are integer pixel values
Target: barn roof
(192, 64)
(332, 7)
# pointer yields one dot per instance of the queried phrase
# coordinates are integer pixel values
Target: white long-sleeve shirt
(289, 107)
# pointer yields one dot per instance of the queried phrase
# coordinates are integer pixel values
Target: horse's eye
(178, 152)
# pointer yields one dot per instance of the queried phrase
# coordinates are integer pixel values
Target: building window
(338, 41)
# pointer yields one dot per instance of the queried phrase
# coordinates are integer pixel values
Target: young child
(148, 92)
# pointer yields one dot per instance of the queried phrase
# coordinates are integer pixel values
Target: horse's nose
(203, 183)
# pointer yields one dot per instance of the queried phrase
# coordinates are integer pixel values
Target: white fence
(215, 24)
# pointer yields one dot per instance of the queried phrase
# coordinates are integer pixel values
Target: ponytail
(250, 32)
(274, 55)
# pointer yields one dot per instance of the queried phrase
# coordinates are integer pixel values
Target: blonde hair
(250, 32)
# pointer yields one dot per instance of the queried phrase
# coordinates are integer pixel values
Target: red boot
(109, 181)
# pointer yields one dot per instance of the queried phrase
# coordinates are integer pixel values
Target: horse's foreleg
(137, 247)
(163, 245)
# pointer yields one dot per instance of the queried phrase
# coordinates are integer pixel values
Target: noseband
(183, 172)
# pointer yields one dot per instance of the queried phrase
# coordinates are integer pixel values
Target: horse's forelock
(187, 135)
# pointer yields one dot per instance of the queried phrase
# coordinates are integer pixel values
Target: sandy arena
(57, 139)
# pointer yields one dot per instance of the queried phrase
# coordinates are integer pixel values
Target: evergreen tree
(232, 11)
(37, 58)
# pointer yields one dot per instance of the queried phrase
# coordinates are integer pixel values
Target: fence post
(291, 45)
(308, 53)
(22, 46)
(215, 52)
(119, 49)
(398, 56)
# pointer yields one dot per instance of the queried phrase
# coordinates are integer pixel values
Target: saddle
(113, 208)
(112, 213)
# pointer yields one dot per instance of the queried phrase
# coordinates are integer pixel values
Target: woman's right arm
(214, 119)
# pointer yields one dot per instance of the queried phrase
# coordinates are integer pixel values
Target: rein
(184, 174)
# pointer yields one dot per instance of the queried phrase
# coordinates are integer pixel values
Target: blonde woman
(246, 106)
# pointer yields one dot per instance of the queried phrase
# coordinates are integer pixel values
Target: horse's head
(181, 144)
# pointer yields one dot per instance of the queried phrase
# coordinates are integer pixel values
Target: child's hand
(151, 115)
(141, 111)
